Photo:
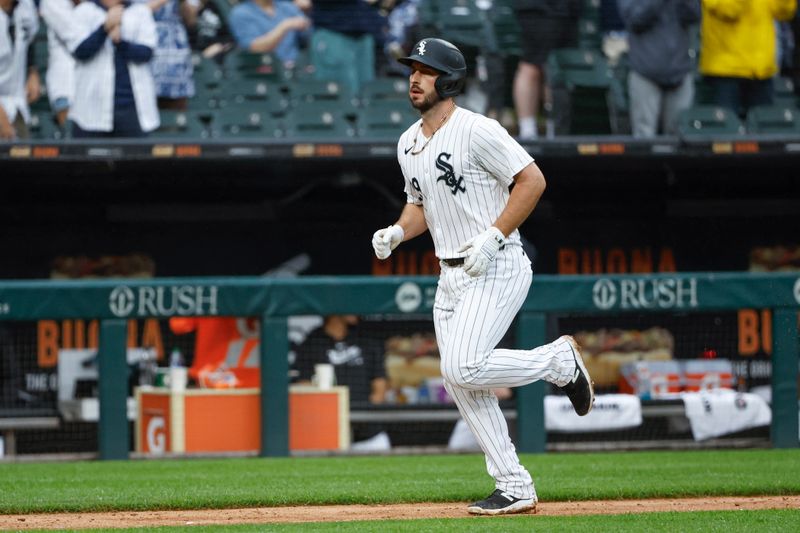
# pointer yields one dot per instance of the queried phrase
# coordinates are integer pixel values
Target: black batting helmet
(444, 57)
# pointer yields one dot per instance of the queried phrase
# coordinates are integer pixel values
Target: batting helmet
(444, 57)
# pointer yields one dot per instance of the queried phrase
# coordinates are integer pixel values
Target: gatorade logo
(156, 435)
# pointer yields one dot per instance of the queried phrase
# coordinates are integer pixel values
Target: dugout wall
(116, 301)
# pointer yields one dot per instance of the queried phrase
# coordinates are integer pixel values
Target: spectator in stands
(263, 26)
(612, 27)
(60, 79)
(19, 79)
(401, 21)
(738, 50)
(546, 25)
(358, 362)
(661, 77)
(113, 47)
(346, 34)
(172, 58)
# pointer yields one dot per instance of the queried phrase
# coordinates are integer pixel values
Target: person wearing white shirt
(19, 81)
(112, 51)
(60, 77)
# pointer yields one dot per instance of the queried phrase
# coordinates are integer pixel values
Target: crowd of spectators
(133, 58)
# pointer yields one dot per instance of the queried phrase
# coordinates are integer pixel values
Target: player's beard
(427, 103)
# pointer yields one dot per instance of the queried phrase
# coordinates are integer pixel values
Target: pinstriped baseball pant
(471, 315)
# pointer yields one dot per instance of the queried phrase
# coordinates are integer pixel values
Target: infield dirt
(342, 513)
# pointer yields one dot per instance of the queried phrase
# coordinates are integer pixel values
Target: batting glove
(385, 240)
(481, 251)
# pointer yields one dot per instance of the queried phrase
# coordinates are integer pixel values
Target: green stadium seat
(709, 120)
(245, 121)
(261, 94)
(326, 91)
(249, 65)
(505, 29)
(784, 91)
(591, 10)
(589, 35)
(192, 124)
(587, 99)
(318, 120)
(779, 119)
(43, 127)
(385, 119)
(381, 89)
(462, 22)
(208, 77)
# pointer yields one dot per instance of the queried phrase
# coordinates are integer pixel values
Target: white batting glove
(481, 251)
(385, 240)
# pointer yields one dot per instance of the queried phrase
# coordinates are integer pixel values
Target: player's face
(421, 88)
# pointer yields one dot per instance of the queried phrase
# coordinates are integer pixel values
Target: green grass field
(195, 484)
(721, 522)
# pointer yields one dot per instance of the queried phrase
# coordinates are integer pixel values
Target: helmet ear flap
(448, 85)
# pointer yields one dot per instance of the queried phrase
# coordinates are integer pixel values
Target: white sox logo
(421, 48)
(449, 177)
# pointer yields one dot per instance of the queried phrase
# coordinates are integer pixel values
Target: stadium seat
(43, 127)
(385, 119)
(246, 121)
(192, 124)
(249, 65)
(784, 91)
(505, 29)
(261, 94)
(207, 73)
(318, 120)
(381, 89)
(326, 91)
(779, 119)
(461, 22)
(589, 34)
(708, 120)
(586, 96)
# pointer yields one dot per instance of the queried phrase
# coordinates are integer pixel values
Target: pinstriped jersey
(461, 178)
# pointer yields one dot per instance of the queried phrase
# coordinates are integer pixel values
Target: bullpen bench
(9, 427)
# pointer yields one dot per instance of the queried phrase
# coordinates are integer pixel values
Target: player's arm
(412, 220)
(529, 185)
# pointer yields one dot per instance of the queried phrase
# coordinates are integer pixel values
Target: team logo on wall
(181, 300)
(449, 176)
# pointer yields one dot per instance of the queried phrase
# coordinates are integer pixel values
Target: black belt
(458, 261)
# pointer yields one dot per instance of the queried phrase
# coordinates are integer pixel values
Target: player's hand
(481, 251)
(385, 240)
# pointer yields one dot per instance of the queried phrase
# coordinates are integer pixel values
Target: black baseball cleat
(500, 502)
(581, 389)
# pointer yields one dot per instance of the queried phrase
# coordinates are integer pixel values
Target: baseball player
(458, 167)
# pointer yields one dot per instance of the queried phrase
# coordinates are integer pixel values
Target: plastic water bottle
(176, 358)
